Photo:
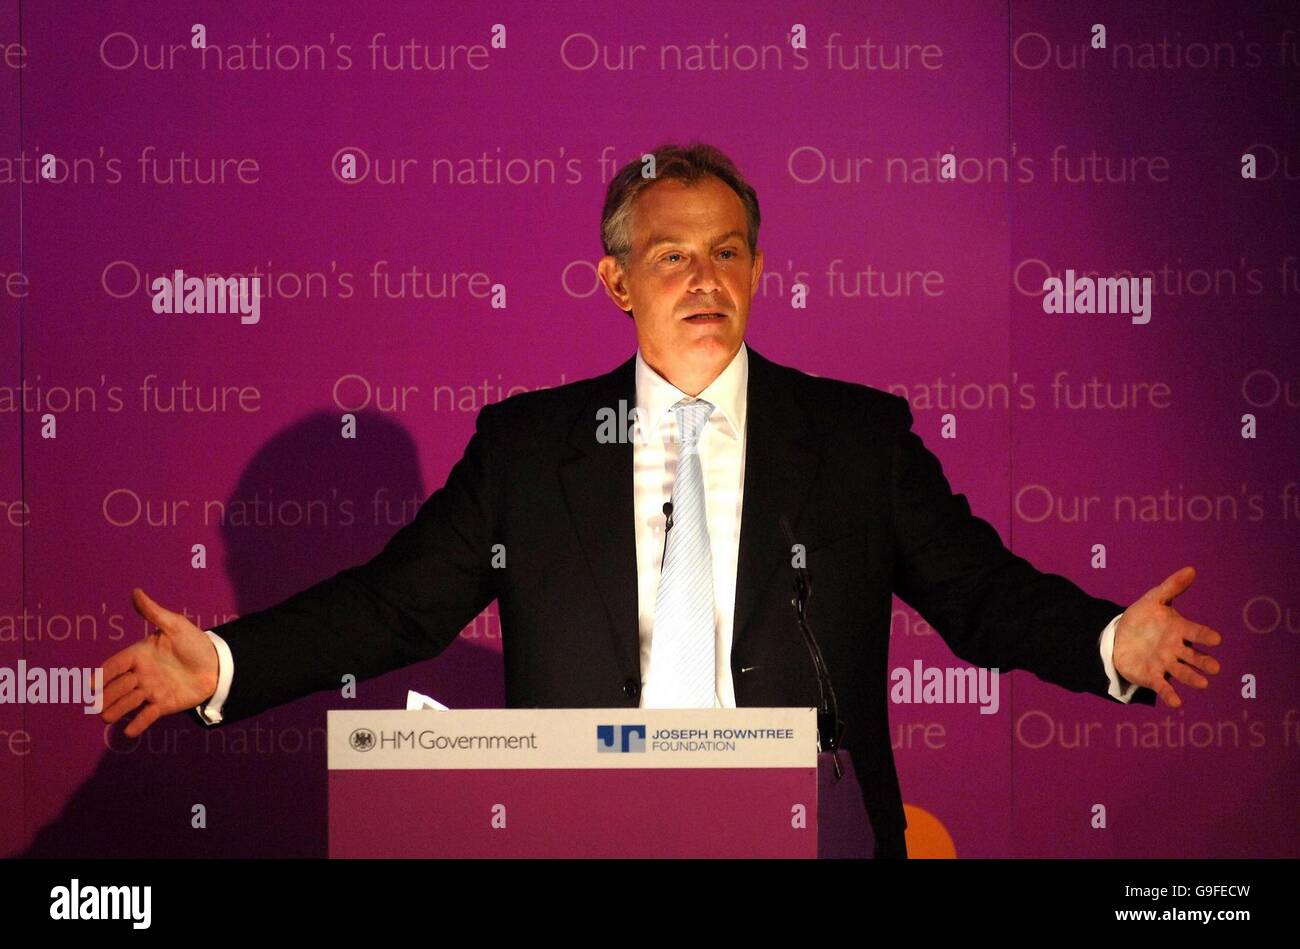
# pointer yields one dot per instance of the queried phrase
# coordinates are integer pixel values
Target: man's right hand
(173, 669)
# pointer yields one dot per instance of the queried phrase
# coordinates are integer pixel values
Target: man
(590, 617)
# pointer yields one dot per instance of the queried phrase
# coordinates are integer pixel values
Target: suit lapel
(597, 481)
(781, 455)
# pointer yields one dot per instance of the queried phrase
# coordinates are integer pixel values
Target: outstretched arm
(406, 604)
(992, 607)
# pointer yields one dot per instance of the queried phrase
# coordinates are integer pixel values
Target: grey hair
(690, 164)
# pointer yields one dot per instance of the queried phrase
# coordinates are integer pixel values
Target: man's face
(688, 256)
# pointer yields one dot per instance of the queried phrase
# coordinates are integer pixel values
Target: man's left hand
(1154, 642)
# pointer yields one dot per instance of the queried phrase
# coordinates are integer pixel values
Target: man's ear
(756, 272)
(614, 280)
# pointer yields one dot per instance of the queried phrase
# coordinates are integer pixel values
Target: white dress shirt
(654, 466)
(654, 470)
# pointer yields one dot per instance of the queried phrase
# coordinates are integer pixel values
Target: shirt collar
(655, 395)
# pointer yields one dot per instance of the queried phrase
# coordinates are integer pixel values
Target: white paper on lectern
(415, 701)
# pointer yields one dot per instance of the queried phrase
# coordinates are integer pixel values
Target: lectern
(580, 783)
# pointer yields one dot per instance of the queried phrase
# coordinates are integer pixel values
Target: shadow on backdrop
(263, 780)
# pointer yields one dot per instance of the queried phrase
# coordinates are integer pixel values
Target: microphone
(668, 525)
(829, 727)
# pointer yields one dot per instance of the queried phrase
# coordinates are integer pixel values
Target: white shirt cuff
(210, 711)
(1119, 688)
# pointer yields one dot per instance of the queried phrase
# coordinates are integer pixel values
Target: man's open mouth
(705, 317)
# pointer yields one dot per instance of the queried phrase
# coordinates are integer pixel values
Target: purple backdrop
(125, 431)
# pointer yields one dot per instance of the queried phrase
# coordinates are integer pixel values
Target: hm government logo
(620, 739)
(363, 739)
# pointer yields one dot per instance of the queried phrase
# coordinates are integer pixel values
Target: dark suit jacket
(865, 497)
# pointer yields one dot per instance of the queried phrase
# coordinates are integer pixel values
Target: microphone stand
(828, 711)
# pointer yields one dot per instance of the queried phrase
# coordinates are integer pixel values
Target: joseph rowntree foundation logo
(620, 739)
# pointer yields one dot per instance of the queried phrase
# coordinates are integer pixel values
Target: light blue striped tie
(683, 643)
